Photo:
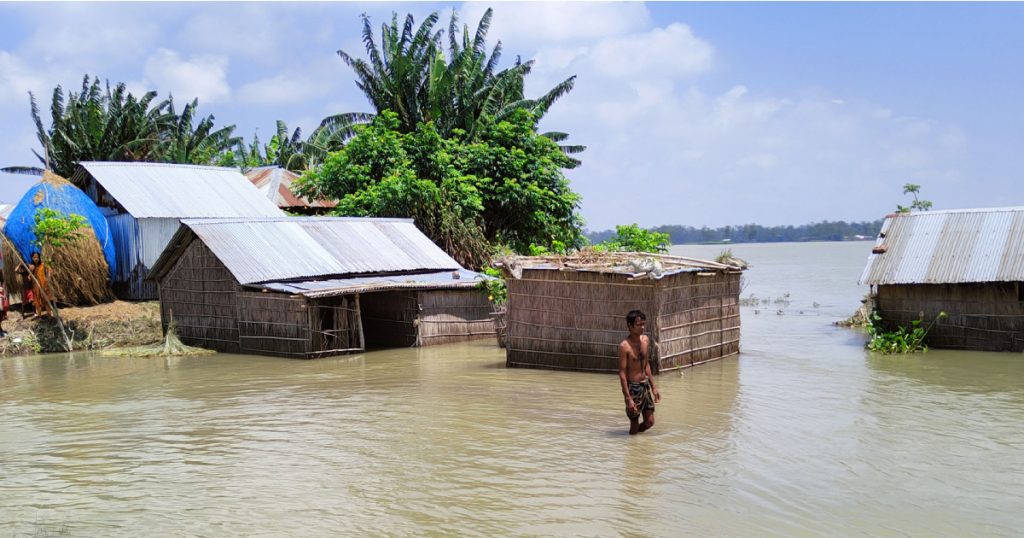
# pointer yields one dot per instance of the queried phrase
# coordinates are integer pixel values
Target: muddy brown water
(804, 434)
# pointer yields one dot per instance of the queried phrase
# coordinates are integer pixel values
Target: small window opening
(1020, 291)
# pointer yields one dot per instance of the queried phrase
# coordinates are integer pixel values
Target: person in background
(5, 305)
(27, 294)
(40, 293)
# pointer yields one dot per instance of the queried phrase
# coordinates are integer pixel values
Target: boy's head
(633, 316)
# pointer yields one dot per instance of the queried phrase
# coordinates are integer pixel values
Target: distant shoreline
(756, 233)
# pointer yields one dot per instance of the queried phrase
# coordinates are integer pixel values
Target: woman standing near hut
(40, 294)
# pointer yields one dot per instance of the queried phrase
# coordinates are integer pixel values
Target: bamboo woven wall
(698, 318)
(273, 324)
(985, 317)
(453, 316)
(572, 320)
(389, 318)
(576, 320)
(200, 294)
(335, 326)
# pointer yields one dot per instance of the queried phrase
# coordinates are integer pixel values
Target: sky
(700, 114)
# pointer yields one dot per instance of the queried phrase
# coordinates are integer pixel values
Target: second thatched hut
(568, 312)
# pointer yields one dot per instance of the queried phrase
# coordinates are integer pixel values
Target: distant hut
(968, 263)
(80, 270)
(276, 184)
(143, 203)
(313, 286)
(569, 313)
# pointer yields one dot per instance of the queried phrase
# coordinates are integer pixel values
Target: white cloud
(16, 78)
(73, 33)
(202, 76)
(673, 51)
(281, 89)
(518, 25)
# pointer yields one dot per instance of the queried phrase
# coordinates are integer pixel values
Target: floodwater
(804, 434)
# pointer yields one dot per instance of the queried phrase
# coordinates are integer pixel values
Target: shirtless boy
(635, 374)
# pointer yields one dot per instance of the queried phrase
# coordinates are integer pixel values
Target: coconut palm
(200, 144)
(411, 75)
(98, 125)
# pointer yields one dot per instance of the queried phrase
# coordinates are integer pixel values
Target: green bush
(902, 339)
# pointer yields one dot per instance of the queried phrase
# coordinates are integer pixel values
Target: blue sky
(693, 113)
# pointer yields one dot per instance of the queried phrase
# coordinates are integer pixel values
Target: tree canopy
(410, 74)
(104, 123)
(503, 187)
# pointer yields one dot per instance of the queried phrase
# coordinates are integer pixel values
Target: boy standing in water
(635, 374)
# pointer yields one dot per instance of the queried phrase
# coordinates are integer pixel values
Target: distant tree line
(755, 233)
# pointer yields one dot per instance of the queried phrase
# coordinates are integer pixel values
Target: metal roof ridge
(1005, 209)
(291, 218)
(134, 164)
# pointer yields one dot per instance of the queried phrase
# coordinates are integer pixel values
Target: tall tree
(104, 123)
(200, 144)
(410, 74)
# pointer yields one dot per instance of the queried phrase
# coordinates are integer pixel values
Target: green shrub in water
(902, 339)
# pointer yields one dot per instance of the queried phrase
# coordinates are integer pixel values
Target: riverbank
(110, 325)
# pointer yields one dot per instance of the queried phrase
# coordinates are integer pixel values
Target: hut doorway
(389, 318)
(336, 326)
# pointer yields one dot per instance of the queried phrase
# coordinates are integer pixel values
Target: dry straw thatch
(77, 271)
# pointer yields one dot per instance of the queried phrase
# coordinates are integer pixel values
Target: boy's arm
(650, 376)
(623, 363)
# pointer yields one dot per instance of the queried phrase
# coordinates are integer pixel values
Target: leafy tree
(918, 205)
(104, 123)
(505, 187)
(199, 144)
(632, 238)
(411, 75)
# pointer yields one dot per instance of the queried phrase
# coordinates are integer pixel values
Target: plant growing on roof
(633, 238)
(917, 204)
(495, 288)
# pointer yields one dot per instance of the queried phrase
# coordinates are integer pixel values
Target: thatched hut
(79, 270)
(968, 263)
(144, 202)
(314, 286)
(568, 312)
(275, 183)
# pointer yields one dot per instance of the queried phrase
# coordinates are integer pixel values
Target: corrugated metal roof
(949, 247)
(157, 190)
(291, 248)
(276, 184)
(340, 286)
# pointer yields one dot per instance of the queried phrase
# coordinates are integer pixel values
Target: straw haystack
(80, 270)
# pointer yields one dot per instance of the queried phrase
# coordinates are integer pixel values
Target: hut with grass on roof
(276, 184)
(968, 263)
(568, 312)
(144, 203)
(80, 270)
(307, 287)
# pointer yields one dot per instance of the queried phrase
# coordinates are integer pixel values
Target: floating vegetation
(171, 347)
(902, 339)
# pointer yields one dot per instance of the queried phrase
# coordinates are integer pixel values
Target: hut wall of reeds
(568, 315)
(226, 290)
(980, 316)
(447, 316)
(968, 263)
(200, 294)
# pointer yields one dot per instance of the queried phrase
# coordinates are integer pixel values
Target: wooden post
(359, 323)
